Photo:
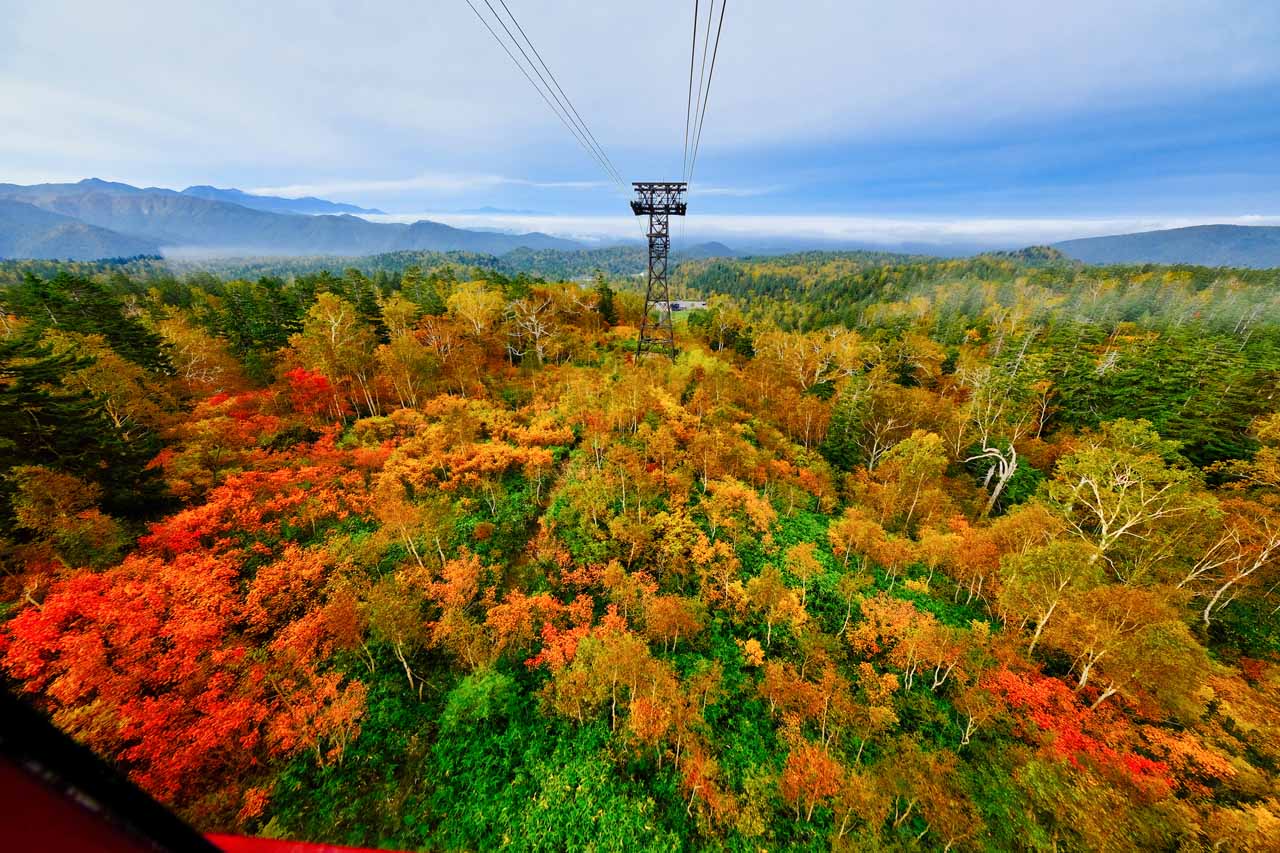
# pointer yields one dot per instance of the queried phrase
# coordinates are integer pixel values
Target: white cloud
(210, 92)
(839, 230)
(433, 183)
(735, 192)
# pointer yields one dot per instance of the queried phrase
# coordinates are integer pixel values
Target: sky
(919, 121)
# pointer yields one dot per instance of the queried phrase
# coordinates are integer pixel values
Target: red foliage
(260, 503)
(150, 662)
(147, 646)
(560, 644)
(312, 393)
(1075, 732)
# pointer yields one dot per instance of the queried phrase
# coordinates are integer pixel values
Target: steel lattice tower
(660, 200)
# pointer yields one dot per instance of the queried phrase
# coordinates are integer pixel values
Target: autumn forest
(897, 553)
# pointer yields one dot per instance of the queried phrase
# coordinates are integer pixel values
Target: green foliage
(377, 794)
(600, 671)
(72, 303)
(45, 422)
(507, 776)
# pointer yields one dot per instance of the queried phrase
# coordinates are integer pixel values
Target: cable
(688, 101)
(567, 100)
(702, 72)
(563, 118)
(604, 164)
(698, 138)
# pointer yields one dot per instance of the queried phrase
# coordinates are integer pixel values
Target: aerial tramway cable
(581, 123)
(548, 96)
(706, 95)
(688, 102)
(557, 100)
(696, 107)
(702, 72)
(560, 104)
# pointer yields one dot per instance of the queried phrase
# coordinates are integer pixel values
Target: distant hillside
(551, 264)
(615, 260)
(172, 219)
(1032, 255)
(27, 231)
(1201, 245)
(308, 205)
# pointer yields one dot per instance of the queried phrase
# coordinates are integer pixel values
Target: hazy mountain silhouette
(27, 231)
(172, 219)
(1203, 245)
(308, 205)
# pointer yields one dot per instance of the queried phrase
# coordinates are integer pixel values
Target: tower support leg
(659, 201)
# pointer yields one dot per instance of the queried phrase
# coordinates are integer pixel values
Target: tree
(404, 361)
(133, 400)
(1036, 581)
(338, 343)
(802, 561)
(925, 783)
(897, 630)
(1000, 413)
(62, 510)
(1131, 641)
(810, 777)
(46, 421)
(769, 596)
(860, 798)
(812, 358)
(732, 506)
(476, 307)
(531, 326)
(145, 662)
(854, 533)
(669, 617)
(1244, 553)
(201, 361)
(604, 302)
(80, 305)
(904, 487)
(394, 613)
(1126, 492)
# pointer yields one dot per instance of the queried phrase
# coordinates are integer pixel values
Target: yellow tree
(811, 358)
(802, 561)
(905, 486)
(1037, 581)
(1126, 493)
(770, 596)
(1130, 641)
(338, 343)
(405, 362)
(476, 306)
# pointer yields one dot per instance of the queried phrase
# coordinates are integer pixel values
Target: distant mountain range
(1203, 245)
(101, 219)
(27, 231)
(305, 206)
(127, 218)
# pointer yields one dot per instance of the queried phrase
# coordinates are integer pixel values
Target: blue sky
(987, 121)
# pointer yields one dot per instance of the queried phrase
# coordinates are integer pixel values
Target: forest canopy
(895, 553)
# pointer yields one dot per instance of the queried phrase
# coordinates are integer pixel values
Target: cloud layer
(827, 105)
(740, 230)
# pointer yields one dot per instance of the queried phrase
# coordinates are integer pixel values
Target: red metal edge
(247, 844)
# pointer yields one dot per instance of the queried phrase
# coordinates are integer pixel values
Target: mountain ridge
(27, 231)
(170, 219)
(306, 205)
(1256, 246)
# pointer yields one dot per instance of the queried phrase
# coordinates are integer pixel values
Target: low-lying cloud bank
(754, 230)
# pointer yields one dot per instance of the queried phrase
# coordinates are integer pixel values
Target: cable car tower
(659, 200)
